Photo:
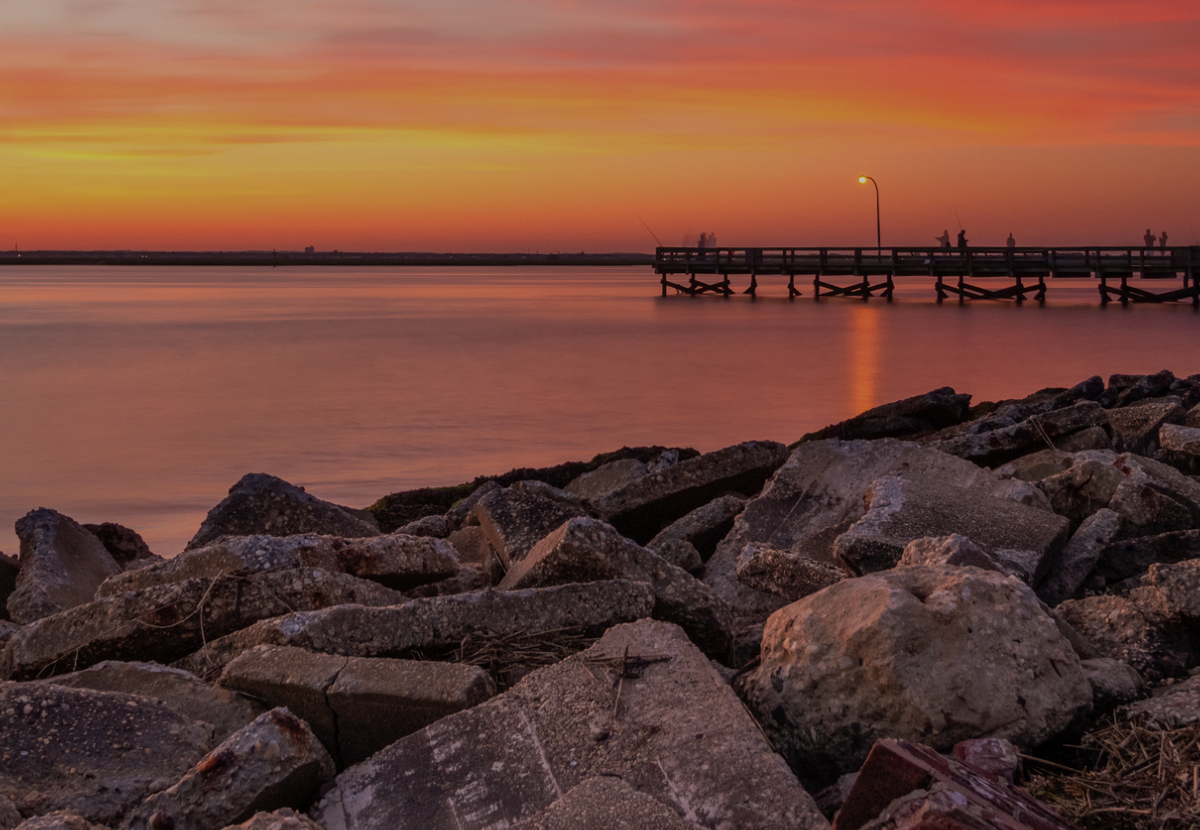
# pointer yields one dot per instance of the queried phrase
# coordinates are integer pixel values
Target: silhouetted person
(703, 243)
(1012, 243)
(962, 238)
(1162, 240)
(712, 240)
(944, 239)
(1148, 239)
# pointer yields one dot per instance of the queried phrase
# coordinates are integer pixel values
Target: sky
(555, 125)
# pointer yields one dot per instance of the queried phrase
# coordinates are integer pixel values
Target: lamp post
(878, 238)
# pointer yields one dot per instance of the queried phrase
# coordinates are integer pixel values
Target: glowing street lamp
(878, 238)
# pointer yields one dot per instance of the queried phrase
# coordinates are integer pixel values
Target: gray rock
(1192, 419)
(58, 820)
(786, 574)
(7, 630)
(1147, 509)
(997, 446)
(934, 410)
(95, 753)
(1092, 438)
(1022, 492)
(1171, 592)
(282, 819)
(1133, 388)
(472, 547)
(937, 495)
(10, 816)
(1183, 440)
(436, 624)
(1135, 428)
(125, 545)
(518, 517)
(462, 512)
(439, 527)
(167, 622)
(1176, 707)
(271, 763)
(1113, 683)
(1131, 557)
(681, 554)
(355, 705)
(263, 504)
(1083, 488)
(642, 704)
(704, 527)
(585, 550)
(1037, 465)
(1080, 556)
(606, 478)
(1119, 630)
(643, 508)
(1029, 566)
(954, 549)
(61, 566)
(938, 653)
(398, 561)
(605, 803)
(225, 711)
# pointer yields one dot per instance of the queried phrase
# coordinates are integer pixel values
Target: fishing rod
(652, 233)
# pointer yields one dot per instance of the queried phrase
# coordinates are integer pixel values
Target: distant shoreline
(276, 258)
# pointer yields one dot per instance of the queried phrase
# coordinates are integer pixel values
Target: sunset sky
(553, 125)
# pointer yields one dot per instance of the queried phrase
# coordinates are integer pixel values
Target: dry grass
(1145, 779)
(506, 657)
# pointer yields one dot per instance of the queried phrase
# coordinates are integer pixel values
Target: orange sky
(554, 125)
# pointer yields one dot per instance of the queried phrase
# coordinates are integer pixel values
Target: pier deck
(863, 272)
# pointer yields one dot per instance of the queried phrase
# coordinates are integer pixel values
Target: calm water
(139, 395)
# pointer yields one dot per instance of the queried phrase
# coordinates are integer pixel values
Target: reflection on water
(139, 395)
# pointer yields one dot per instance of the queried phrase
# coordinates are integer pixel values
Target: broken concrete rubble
(1080, 556)
(786, 574)
(998, 446)
(1135, 428)
(606, 802)
(516, 518)
(704, 527)
(643, 704)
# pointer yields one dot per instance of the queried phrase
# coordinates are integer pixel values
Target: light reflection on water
(139, 395)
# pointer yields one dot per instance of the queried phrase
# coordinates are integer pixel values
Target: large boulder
(273, 762)
(1080, 556)
(1135, 428)
(95, 753)
(225, 711)
(1118, 629)
(167, 622)
(436, 625)
(994, 447)
(939, 653)
(642, 704)
(1086, 486)
(356, 705)
(584, 550)
(606, 478)
(787, 574)
(263, 504)
(934, 410)
(704, 527)
(644, 507)
(61, 566)
(125, 544)
(518, 517)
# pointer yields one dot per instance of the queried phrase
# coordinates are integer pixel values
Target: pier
(966, 273)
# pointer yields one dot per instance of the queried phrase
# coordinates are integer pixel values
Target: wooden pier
(965, 273)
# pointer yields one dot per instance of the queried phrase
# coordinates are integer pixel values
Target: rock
(462, 513)
(934, 410)
(126, 546)
(9, 567)
(271, 763)
(58, 820)
(1092, 438)
(283, 819)
(643, 508)
(1120, 631)
(518, 517)
(1146, 509)
(995, 447)
(681, 554)
(1080, 556)
(1177, 706)
(642, 704)
(225, 711)
(355, 705)
(585, 550)
(1022, 492)
(95, 753)
(263, 504)
(472, 547)
(605, 803)
(786, 574)
(436, 624)
(167, 622)
(994, 757)
(1135, 428)
(1131, 557)
(937, 652)
(7, 631)
(398, 561)
(438, 527)
(61, 566)
(1192, 419)
(1037, 465)
(704, 527)
(1134, 388)
(1171, 591)
(469, 578)
(230, 555)
(935, 495)
(1083, 488)
(1184, 440)
(937, 792)
(606, 478)
(1113, 683)
(10, 816)
(954, 549)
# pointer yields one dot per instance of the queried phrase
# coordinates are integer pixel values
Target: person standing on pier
(1148, 239)
(1012, 243)
(962, 238)
(944, 239)
(1162, 240)
(703, 243)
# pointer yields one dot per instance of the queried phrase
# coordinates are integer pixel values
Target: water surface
(139, 395)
